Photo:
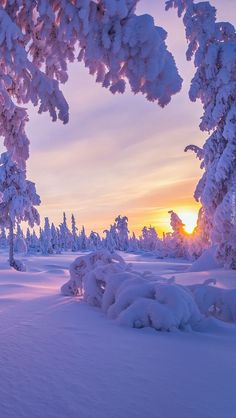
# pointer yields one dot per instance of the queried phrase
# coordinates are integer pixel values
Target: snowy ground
(60, 358)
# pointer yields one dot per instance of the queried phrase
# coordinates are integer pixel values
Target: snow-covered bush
(133, 299)
(172, 307)
(87, 274)
(140, 300)
(215, 301)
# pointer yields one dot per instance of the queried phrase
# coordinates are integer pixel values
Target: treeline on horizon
(53, 239)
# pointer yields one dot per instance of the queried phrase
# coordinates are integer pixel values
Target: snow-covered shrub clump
(133, 299)
(215, 301)
(87, 274)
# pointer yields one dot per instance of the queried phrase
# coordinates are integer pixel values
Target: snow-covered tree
(82, 240)
(121, 225)
(54, 239)
(74, 230)
(32, 241)
(3, 238)
(94, 241)
(199, 240)
(133, 243)
(109, 242)
(46, 238)
(20, 244)
(65, 235)
(212, 44)
(149, 240)
(18, 199)
(175, 243)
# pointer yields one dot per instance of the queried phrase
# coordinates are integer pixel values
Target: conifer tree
(17, 200)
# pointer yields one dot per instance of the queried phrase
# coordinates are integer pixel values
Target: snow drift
(133, 299)
(140, 300)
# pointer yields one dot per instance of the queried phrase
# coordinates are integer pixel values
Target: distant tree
(18, 199)
(133, 243)
(149, 240)
(199, 240)
(109, 242)
(94, 241)
(59, 240)
(46, 238)
(177, 240)
(74, 230)
(82, 240)
(20, 244)
(121, 224)
(54, 239)
(3, 238)
(65, 235)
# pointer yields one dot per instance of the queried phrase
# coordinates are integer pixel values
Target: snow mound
(19, 265)
(215, 301)
(87, 274)
(206, 261)
(133, 299)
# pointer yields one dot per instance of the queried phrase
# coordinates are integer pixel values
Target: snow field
(60, 357)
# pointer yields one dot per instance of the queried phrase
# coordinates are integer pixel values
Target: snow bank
(133, 299)
(207, 261)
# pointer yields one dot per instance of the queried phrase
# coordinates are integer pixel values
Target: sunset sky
(121, 154)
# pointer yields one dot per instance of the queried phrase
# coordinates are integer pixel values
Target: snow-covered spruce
(213, 46)
(18, 199)
(133, 299)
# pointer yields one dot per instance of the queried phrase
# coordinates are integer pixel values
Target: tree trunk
(11, 244)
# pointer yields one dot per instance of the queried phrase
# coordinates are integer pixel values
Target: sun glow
(189, 218)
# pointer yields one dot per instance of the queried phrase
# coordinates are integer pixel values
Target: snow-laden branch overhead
(38, 38)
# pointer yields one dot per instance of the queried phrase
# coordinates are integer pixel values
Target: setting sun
(189, 218)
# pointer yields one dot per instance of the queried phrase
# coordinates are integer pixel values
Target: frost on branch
(213, 46)
(133, 299)
(122, 46)
(39, 38)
